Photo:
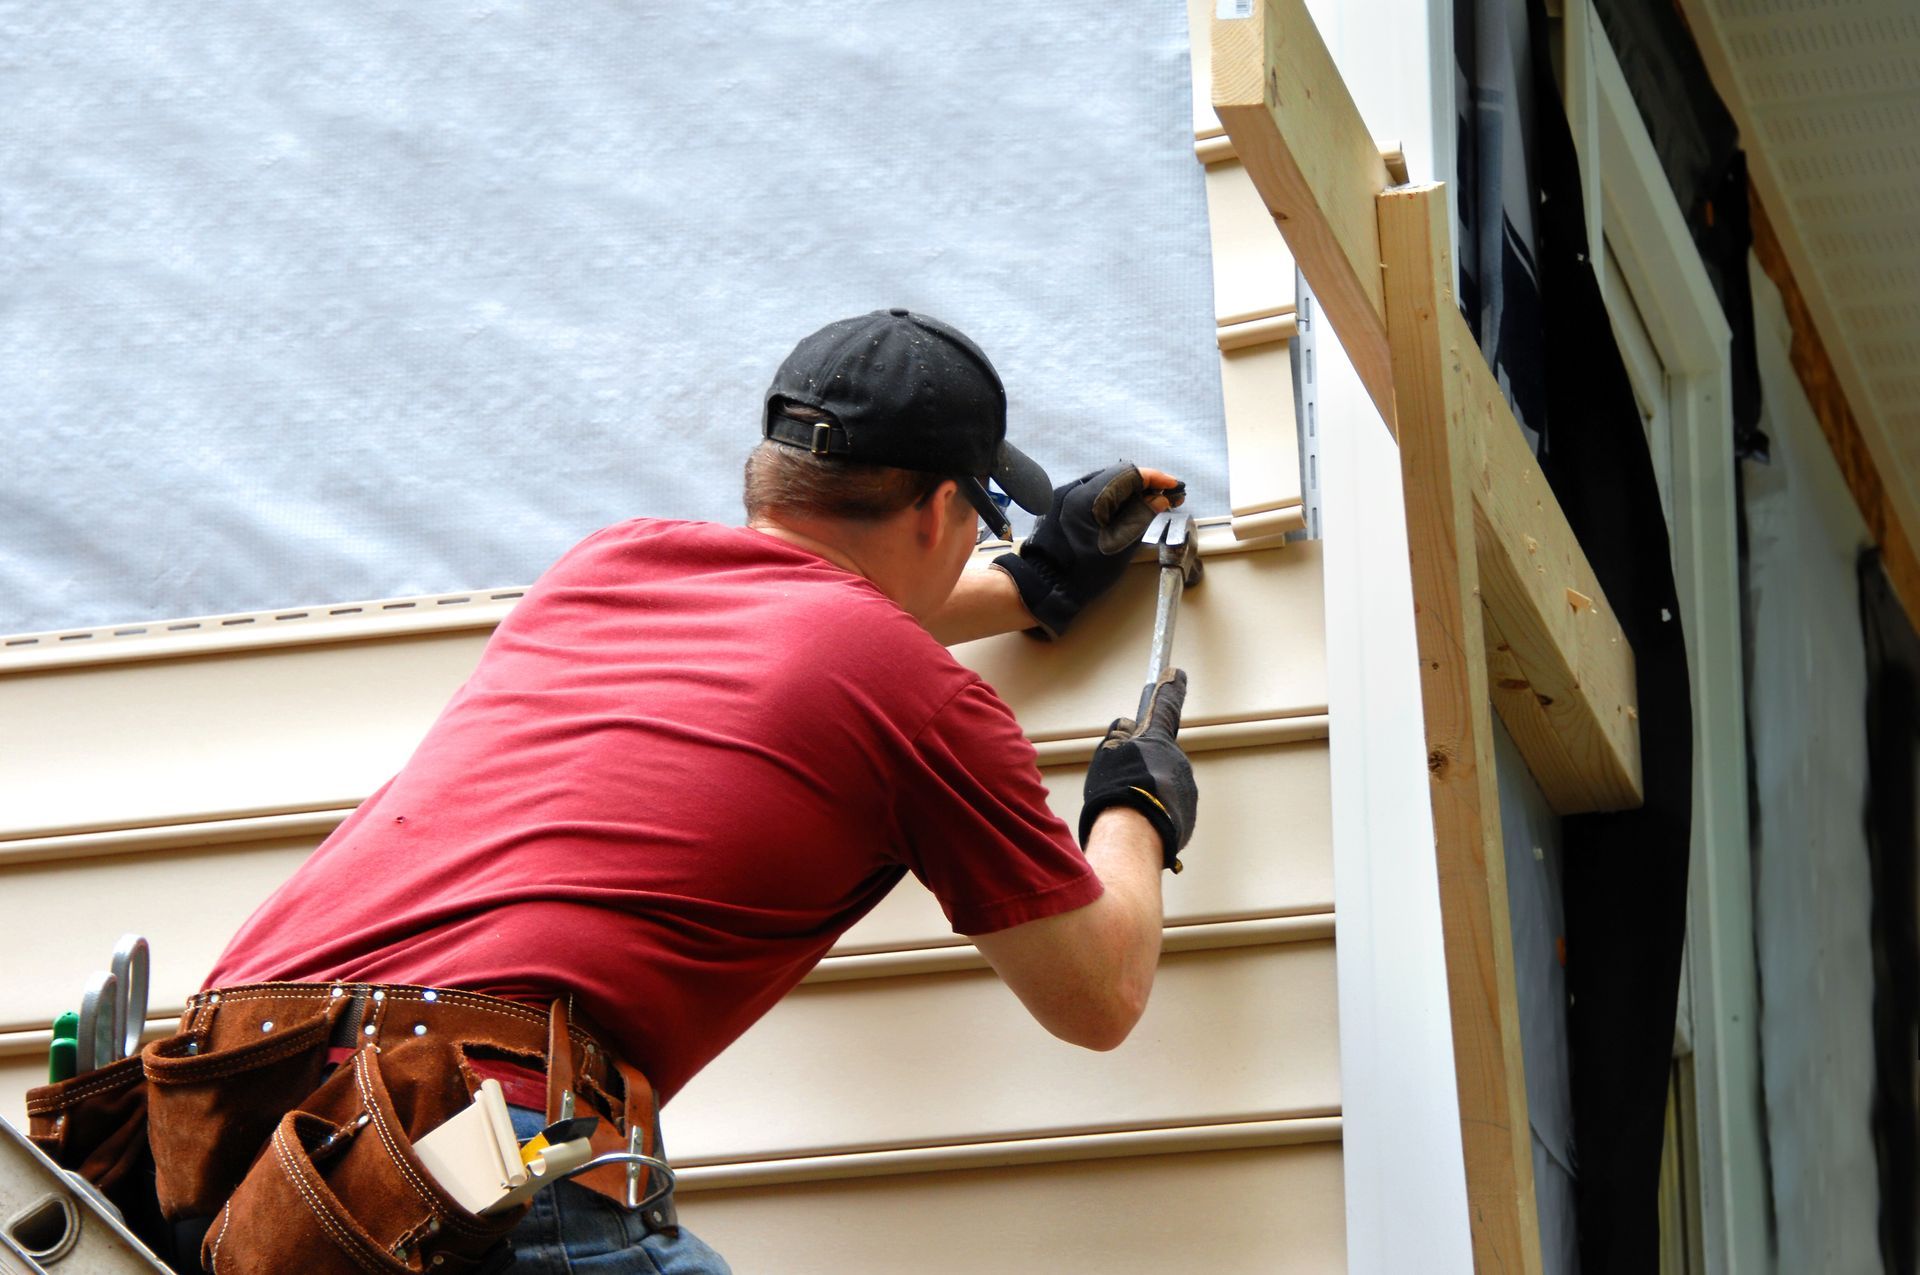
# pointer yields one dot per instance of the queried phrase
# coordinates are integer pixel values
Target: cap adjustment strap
(822, 438)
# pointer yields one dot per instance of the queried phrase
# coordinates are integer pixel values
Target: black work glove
(1080, 547)
(1142, 768)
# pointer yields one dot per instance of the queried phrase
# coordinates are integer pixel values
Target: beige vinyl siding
(1275, 1211)
(189, 899)
(902, 1062)
(1252, 268)
(934, 1059)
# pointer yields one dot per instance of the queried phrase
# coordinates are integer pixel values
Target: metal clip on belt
(635, 1160)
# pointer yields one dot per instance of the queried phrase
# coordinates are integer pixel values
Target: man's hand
(1140, 766)
(1080, 547)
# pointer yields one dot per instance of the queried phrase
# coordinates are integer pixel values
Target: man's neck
(838, 555)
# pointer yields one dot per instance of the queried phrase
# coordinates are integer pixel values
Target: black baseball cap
(906, 390)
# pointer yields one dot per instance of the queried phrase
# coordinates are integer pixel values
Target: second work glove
(1080, 546)
(1140, 766)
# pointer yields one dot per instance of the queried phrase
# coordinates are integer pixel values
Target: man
(694, 755)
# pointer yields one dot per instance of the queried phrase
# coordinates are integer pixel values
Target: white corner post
(1406, 1195)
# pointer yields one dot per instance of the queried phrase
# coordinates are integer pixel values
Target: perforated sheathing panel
(315, 304)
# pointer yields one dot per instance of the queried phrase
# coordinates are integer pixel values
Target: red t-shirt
(690, 758)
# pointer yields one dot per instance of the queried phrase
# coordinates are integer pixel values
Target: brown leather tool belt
(287, 1113)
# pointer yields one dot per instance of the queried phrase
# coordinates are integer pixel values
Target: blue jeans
(574, 1229)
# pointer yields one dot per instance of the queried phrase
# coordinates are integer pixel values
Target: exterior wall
(1530, 834)
(1265, 1211)
(899, 1111)
(171, 783)
(1813, 889)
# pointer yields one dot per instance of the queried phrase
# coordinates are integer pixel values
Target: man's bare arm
(1085, 974)
(984, 603)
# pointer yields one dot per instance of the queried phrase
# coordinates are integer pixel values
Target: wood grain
(1575, 714)
(1439, 470)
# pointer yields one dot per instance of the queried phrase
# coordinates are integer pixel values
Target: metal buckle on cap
(822, 437)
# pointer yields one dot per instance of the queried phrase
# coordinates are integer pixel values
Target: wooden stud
(1295, 127)
(1572, 720)
(1440, 471)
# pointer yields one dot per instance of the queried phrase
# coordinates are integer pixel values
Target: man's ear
(936, 516)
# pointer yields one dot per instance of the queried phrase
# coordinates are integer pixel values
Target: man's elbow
(1103, 1024)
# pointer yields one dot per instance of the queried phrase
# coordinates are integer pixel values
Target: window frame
(1634, 220)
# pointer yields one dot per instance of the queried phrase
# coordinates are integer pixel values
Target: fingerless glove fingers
(1081, 546)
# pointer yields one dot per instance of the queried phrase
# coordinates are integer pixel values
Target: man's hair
(782, 478)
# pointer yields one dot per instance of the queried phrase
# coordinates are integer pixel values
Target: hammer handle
(1160, 658)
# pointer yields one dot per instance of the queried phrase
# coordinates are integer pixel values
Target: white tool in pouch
(476, 1159)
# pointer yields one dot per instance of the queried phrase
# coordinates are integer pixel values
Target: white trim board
(1404, 1169)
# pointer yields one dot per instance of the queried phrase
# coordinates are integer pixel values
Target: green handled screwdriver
(63, 1060)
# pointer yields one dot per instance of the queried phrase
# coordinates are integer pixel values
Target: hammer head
(1172, 534)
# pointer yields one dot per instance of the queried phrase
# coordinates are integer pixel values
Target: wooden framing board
(1565, 683)
(1439, 472)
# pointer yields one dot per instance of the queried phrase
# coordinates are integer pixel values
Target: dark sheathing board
(1625, 874)
(1695, 136)
(1498, 280)
(1893, 842)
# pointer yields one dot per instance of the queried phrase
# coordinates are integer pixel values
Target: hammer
(1171, 533)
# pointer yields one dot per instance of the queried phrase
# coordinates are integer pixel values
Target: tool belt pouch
(210, 1109)
(94, 1124)
(339, 1187)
